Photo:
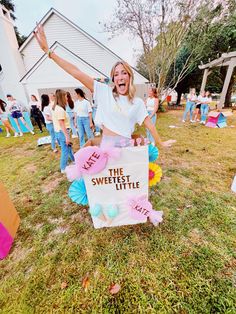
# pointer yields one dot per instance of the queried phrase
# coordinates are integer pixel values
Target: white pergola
(226, 59)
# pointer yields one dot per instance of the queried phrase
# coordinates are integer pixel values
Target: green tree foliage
(218, 36)
(9, 5)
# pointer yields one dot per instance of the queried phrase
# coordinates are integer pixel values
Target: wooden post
(204, 79)
(226, 83)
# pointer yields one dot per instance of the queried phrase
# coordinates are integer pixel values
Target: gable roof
(45, 56)
(54, 11)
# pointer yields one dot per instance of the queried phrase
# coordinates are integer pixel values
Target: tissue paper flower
(155, 174)
(77, 192)
(152, 153)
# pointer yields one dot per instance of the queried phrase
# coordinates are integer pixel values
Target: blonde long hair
(60, 99)
(128, 69)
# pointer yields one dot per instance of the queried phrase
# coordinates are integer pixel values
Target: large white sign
(122, 179)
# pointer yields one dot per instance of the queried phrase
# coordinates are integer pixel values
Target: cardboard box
(9, 222)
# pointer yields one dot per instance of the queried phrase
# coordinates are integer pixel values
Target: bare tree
(161, 26)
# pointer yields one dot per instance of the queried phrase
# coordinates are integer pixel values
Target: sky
(87, 14)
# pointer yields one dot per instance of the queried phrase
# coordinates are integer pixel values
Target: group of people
(197, 106)
(117, 108)
(64, 116)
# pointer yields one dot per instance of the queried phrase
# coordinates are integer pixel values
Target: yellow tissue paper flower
(155, 174)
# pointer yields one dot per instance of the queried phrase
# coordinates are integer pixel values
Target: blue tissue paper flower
(152, 152)
(77, 192)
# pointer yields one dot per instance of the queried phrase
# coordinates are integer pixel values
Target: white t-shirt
(118, 115)
(204, 100)
(47, 111)
(192, 97)
(14, 105)
(69, 110)
(60, 114)
(150, 104)
(82, 108)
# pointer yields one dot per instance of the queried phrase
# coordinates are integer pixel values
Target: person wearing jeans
(71, 114)
(190, 105)
(84, 120)
(61, 124)
(205, 107)
(97, 129)
(47, 114)
(66, 149)
(50, 128)
(152, 104)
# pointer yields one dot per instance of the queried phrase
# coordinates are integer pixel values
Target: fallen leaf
(85, 282)
(64, 285)
(179, 209)
(189, 206)
(114, 289)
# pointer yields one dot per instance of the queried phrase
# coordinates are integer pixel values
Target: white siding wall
(10, 59)
(49, 75)
(59, 30)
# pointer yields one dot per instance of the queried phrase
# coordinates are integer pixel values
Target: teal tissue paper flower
(77, 192)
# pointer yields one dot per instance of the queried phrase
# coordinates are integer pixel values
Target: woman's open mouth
(122, 87)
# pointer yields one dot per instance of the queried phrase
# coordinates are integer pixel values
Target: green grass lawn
(60, 264)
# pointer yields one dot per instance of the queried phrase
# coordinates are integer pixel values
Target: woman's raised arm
(67, 66)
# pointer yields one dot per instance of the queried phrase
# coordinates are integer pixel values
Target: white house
(27, 70)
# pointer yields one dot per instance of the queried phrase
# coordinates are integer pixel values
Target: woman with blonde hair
(61, 123)
(118, 110)
(190, 105)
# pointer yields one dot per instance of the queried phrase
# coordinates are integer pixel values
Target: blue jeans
(204, 112)
(51, 131)
(153, 119)
(66, 151)
(97, 129)
(83, 125)
(189, 108)
(72, 125)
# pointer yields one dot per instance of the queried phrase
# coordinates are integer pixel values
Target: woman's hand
(168, 143)
(41, 37)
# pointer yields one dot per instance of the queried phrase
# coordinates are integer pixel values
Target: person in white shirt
(97, 130)
(70, 110)
(15, 109)
(118, 110)
(47, 113)
(152, 104)
(61, 123)
(198, 107)
(190, 105)
(205, 102)
(84, 121)
(4, 119)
